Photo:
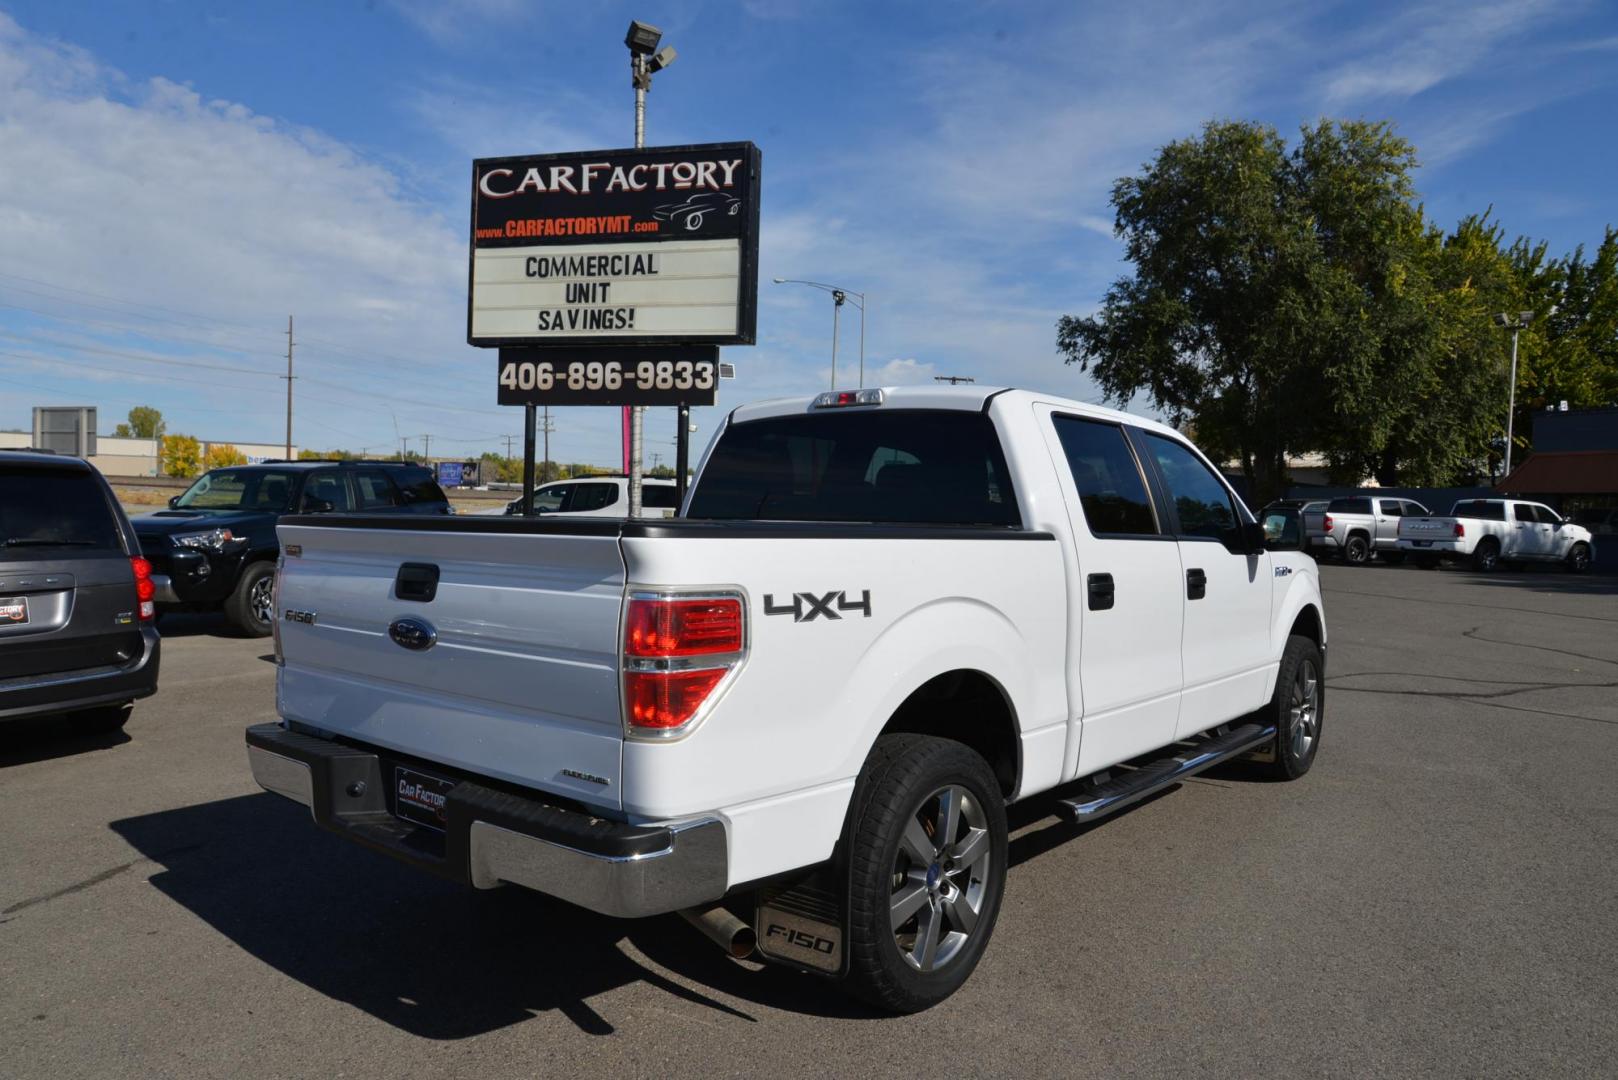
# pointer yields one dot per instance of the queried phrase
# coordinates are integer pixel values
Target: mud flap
(802, 926)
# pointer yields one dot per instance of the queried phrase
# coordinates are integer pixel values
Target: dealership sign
(616, 247)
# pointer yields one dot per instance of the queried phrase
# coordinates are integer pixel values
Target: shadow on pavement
(40, 738)
(431, 957)
(1548, 580)
(177, 624)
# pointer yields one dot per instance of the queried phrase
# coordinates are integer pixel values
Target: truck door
(1226, 651)
(1127, 648)
(1536, 533)
(1388, 512)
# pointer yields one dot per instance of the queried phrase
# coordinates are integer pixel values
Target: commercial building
(116, 456)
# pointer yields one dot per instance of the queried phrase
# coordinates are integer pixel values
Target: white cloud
(904, 372)
(150, 191)
(454, 21)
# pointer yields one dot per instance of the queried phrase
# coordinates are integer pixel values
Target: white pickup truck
(882, 616)
(1489, 532)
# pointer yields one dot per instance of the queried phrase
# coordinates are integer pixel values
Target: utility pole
(547, 427)
(427, 447)
(288, 377)
(508, 439)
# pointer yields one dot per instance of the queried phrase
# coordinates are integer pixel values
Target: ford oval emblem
(413, 634)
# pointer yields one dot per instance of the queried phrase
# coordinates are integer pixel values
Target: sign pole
(682, 451)
(637, 414)
(528, 459)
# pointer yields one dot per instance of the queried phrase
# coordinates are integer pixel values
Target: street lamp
(645, 59)
(1515, 324)
(839, 296)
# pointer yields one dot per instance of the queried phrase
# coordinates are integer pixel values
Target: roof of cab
(45, 458)
(970, 398)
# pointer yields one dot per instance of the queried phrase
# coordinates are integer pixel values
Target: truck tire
(1486, 556)
(1356, 550)
(1297, 710)
(926, 855)
(249, 608)
(1578, 559)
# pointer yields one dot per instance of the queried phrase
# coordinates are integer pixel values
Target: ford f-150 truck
(883, 615)
(1488, 532)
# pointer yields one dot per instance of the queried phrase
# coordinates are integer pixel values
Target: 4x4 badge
(808, 606)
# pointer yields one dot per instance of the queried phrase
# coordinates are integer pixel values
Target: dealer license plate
(1422, 543)
(419, 798)
(13, 610)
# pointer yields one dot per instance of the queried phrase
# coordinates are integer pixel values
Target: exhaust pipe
(723, 929)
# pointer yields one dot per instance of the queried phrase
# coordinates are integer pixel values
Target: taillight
(1328, 523)
(145, 591)
(677, 651)
(1460, 530)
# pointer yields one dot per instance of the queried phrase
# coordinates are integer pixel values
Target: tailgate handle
(416, 581)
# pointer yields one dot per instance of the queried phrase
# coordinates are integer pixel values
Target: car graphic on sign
(691, 212)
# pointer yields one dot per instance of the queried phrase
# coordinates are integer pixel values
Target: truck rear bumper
(490, 837)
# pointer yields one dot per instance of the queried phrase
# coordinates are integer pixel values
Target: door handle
(1196, 584)
(1101, 591)
(416, 581)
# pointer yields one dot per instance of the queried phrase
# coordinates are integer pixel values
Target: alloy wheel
(1304, 716)
(940, 878)
(261, 599)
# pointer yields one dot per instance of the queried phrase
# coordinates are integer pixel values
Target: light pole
(1515, 324)
(645, 60)
(839, 297)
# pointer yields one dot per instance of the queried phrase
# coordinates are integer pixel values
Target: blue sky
(177, 177)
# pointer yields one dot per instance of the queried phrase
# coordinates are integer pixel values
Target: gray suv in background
(77, 629)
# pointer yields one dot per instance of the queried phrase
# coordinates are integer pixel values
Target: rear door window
(49, 512)
(326, 485)
(1202, 503)
(660, 497)
(1107, 477)
(374, 490)
(903, 466)
(1349, 506)
(417, 486)
(596, 496)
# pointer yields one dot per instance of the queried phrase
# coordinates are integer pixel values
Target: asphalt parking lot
(1439, 896)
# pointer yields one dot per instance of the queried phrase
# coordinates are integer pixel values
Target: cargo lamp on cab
(838, 399)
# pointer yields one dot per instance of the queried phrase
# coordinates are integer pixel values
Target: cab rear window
(47, 512)
(913, 467)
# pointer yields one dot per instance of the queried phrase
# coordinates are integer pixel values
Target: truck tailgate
(520, 678)
(1425, 530)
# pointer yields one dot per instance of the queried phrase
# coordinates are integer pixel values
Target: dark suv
(215, 546)
(76, 617)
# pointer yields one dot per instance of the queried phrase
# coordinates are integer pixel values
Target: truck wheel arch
(1307, 624)
(969, 707)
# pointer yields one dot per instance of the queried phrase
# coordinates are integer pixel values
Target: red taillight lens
(677, 627)
(1328, 523)
(1460, 530)
(677, 650)
(144, 589)
(667, 699)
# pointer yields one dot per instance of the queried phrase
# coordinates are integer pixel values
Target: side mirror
(1280, 529)
(174, 501)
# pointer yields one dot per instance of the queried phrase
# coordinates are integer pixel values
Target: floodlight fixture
(642, 38)
(1502, 319)
(1525, 317)
(662, 58)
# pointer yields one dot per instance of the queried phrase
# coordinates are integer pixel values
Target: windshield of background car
(915, 467)
(49, 511)
(239, 489)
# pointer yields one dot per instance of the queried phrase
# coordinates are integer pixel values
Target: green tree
(181, 455)
(1569, 353)
(145, 422)
(327, 455)
(1282, 301)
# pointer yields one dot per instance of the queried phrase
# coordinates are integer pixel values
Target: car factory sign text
(651, 246)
